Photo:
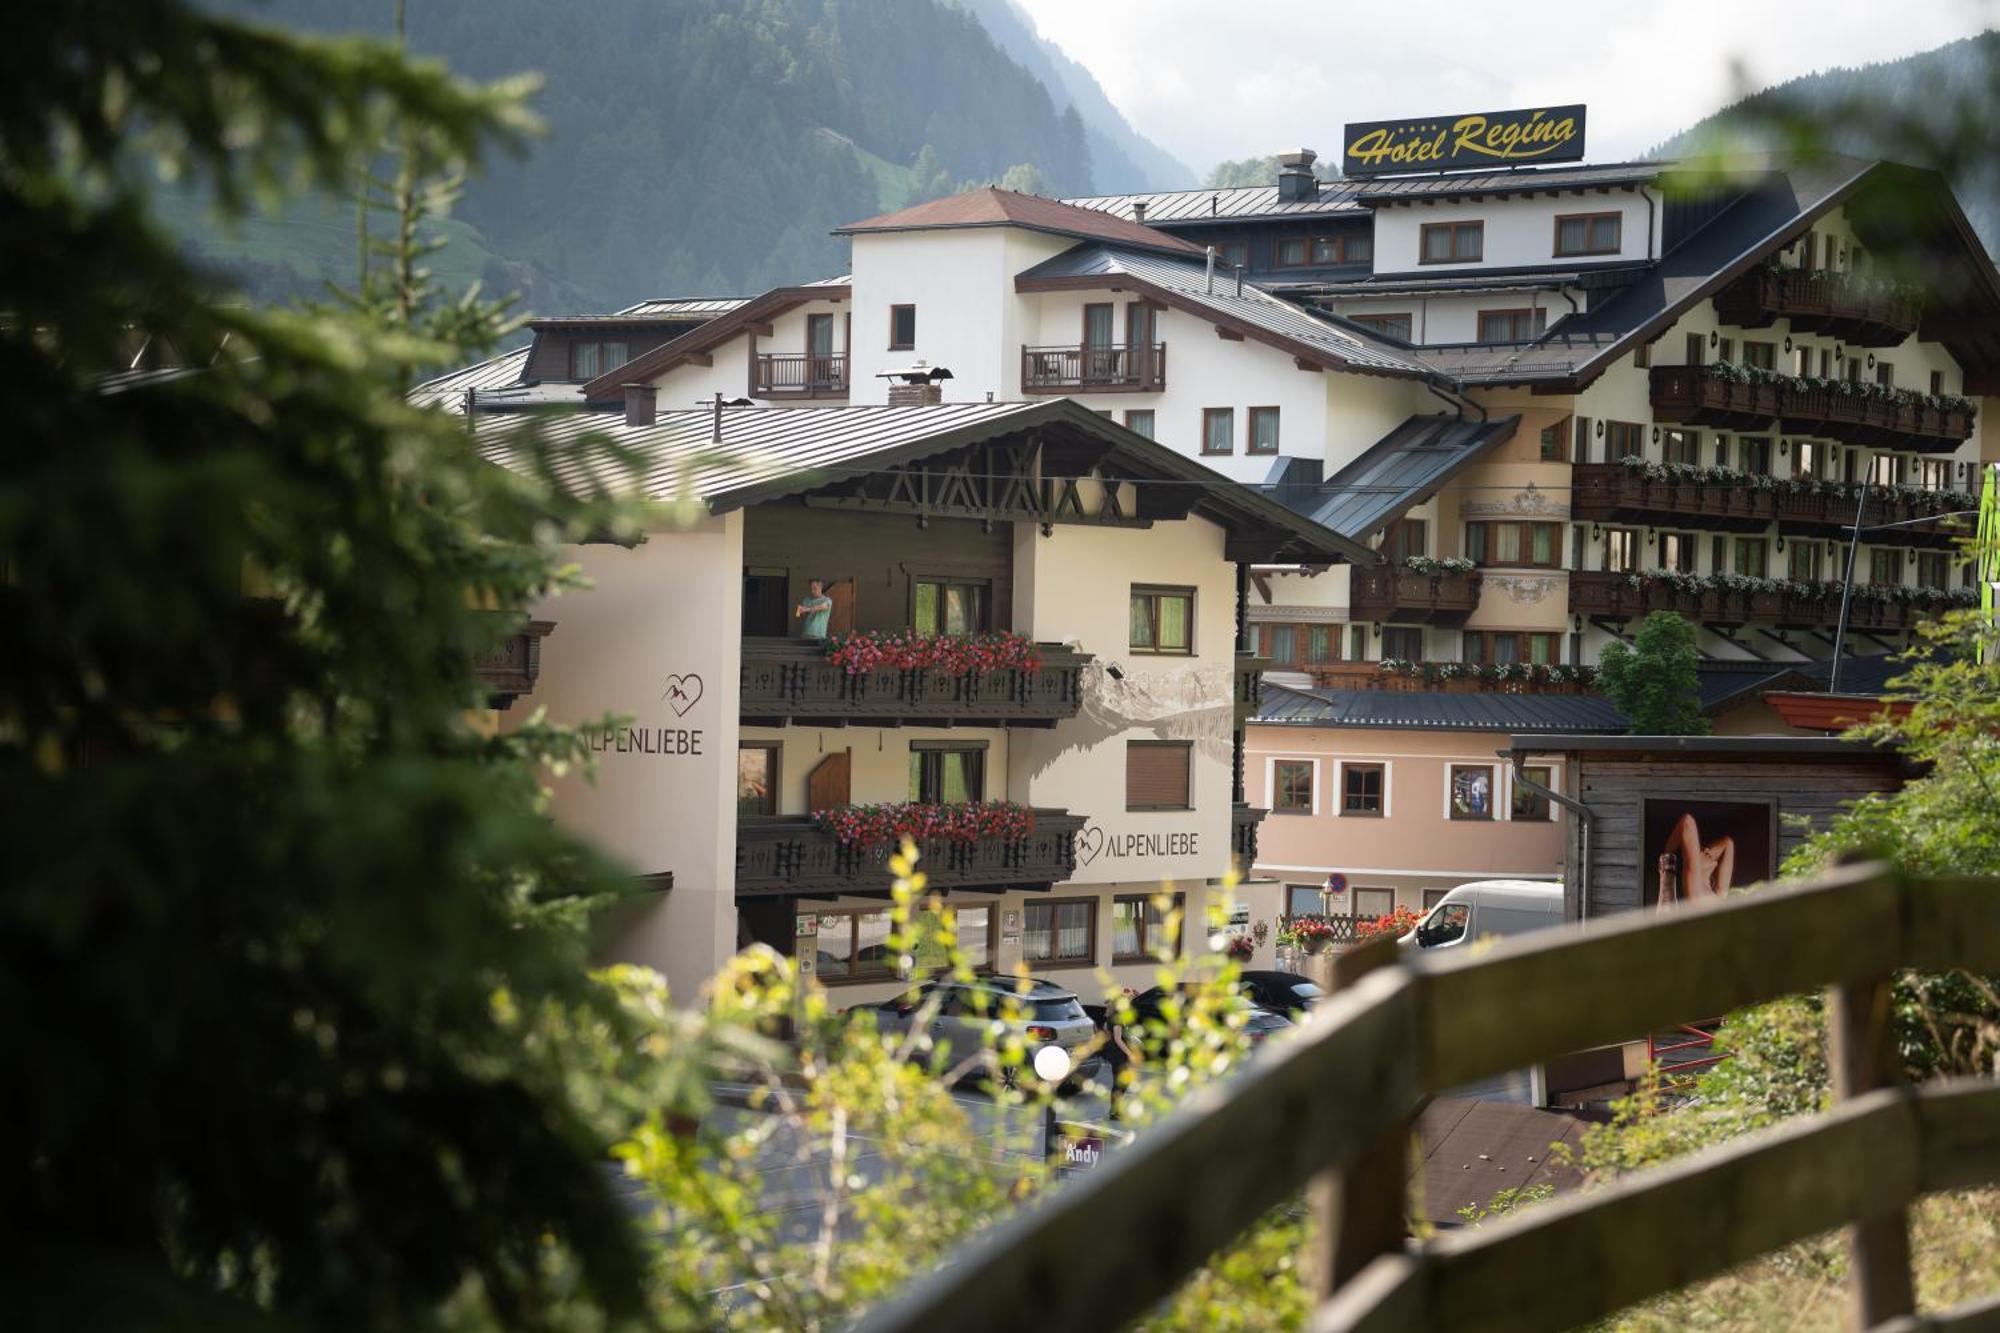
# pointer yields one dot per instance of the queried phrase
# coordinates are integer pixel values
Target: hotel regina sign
(1457, 143)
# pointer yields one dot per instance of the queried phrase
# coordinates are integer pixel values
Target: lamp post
(1853, 550)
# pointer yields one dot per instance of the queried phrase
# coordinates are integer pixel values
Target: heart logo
(682, 693)
(1089, 842)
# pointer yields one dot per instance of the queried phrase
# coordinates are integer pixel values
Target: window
(1371, 903)
(588, 360)
(975, 940)
(947, 772)
(1236, 254)
(1753, 557)
(1621, 550)
(1754, 456)
(1808, 458)
(1452, 242)
(1301, 251)
(1281, 643)
(902, 328)
(1364, 789)
(1292, 785)
(1141, 929)
(1320, 645)
(1538, 545)
(1680, 446)
(1531, 806)
(854, 945)
(1937, 382)
(1357, 249)
(1326, 250)
(1408, 537)
(1162, 620)
(1292, 644)
(1933, 569)
(1218, 430)
(942, 607)
(1404, 642)
(1588, 234)
(1642, 355)
(1580, 430)
(1140, 421)
(1263, 430)
(1805, 561)
(1623, 439)
(1156, 775)
(1062, 931)
(1304, 900)
(1396, 326)
(1677, 552)
(1432, 897)
(756, 778)
(1725, 349)
(1885, 470)
(1761, 355)
(1885, 566)
(1510, 326)
(1694, 344)
(1506, 647)
(1357, 642)
(1292, 252)
(1934, 474)
(1826, 363)
(1554, 448)
(1470, 791)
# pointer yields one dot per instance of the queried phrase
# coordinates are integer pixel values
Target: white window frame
(1337, 801)
(1354, 899)
(1271, 782)
(1495, 786)
(1555, 784)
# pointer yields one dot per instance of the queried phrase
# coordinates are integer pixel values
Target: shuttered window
(1156, 775)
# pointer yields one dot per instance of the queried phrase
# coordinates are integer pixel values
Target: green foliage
(1507, 1201)
(270, 898)
(1259, 171)
(1653, 682)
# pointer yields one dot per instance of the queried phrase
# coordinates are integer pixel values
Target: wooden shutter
(1156, 775)
(840, 620)
(829, 785)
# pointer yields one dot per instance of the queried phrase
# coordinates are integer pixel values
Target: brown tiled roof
(994, 207)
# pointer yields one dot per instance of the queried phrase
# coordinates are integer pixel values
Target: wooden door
(829, 785)
(841, 619)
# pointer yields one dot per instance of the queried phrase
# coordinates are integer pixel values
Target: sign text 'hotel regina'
(1456, 143)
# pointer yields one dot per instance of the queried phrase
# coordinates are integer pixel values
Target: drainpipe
(1450, 391)
(1585, 816)
(1644, 194)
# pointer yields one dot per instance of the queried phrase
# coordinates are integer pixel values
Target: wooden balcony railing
(1243, 822)
(789, 855)
(1249, 685)
(798, 375)
(1615, 493)
(1387, 592)
(1830, 511)
(791, 680)
(512, 667)
(1708, 396)
(1611, 596)
(1334, 1104)
(1858, 312)
(1444, 677)
(1083, 368)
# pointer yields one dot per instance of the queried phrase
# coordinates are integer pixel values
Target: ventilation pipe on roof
(1211, 271)
(1296, 182)
(1139, 211)
(641, 404)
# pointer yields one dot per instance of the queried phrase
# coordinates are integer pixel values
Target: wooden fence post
(1861, 1056)
(1361, 1210)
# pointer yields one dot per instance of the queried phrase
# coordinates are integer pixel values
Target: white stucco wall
(690, 385)
(1518, 231)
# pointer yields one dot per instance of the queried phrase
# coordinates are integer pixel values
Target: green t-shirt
(817, 609)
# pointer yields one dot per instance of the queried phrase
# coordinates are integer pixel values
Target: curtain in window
(1073, 930)
(1173, 622)
(1125, 928)
(1142, 621)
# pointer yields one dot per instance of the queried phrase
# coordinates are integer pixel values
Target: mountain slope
(709, 146)
(1121, 158)
(1934, 109)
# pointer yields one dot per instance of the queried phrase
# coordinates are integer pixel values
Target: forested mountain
(1936, 109)
(699, 146)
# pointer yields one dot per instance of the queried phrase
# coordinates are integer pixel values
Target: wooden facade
(881, 556)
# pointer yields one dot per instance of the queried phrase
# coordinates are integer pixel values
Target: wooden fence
(1333, 1107)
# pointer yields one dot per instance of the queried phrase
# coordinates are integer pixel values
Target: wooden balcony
(1243, 822)
(1087, 369)
(1387, 592)
(1615, 493)
(510, 669)
(1829, 513)
(1249, 685)
(1704, 396)
(1834, 304)
(1608, 596)
(1426, 679)
(791, 680)
(790, 855)
(798, 375)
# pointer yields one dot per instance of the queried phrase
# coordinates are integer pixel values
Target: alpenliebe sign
(1457, 143)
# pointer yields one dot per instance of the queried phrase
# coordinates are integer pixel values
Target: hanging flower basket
(958, 654)
(871, 826)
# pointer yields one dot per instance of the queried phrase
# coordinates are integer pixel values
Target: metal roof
(1186, 284)
(1235, 204)
(1444, 185)
(1403, 468)
(1777, 749)
(994, 207)
(768, 453)
(686, 307)
(448, 391)
(1436, 710)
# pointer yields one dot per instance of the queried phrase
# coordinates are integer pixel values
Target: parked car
(1487, 907)
(961, 1016)
(1281, 992)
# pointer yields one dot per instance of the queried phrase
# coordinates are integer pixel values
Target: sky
(1215, 79)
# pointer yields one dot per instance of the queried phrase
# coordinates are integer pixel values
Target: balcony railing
(1734, 501)
(1788, 604)
(511, 668)
(1390, 593)
(1453, 678)
(1111, 369)
(1249, 685)
(1863, 313)
(799, 375)
(1243, 822)
(788, 855)
(792, 680)
(1839, 410)
(1615, 493)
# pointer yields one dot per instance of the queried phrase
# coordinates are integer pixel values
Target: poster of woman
(1695, 852)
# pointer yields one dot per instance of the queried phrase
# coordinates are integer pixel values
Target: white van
(1488, 907)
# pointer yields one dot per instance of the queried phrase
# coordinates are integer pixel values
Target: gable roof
(1436, 710)
(699, 341)
(994, 207)
(771, 453)
(1403, 468)
(448, 390)
(1325, 341)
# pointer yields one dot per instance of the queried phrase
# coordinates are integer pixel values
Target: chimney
(1139, 211)
(924, 393)
(1296, 182)
(641, 408)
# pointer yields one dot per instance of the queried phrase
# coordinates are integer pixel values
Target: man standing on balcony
(816, 607)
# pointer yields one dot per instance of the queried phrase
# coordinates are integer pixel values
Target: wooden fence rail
(1104, 1250)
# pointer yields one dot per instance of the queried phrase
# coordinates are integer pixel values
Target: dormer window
(588, 360)
(1453, 242)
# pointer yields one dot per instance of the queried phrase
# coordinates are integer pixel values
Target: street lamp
(1853, 550)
